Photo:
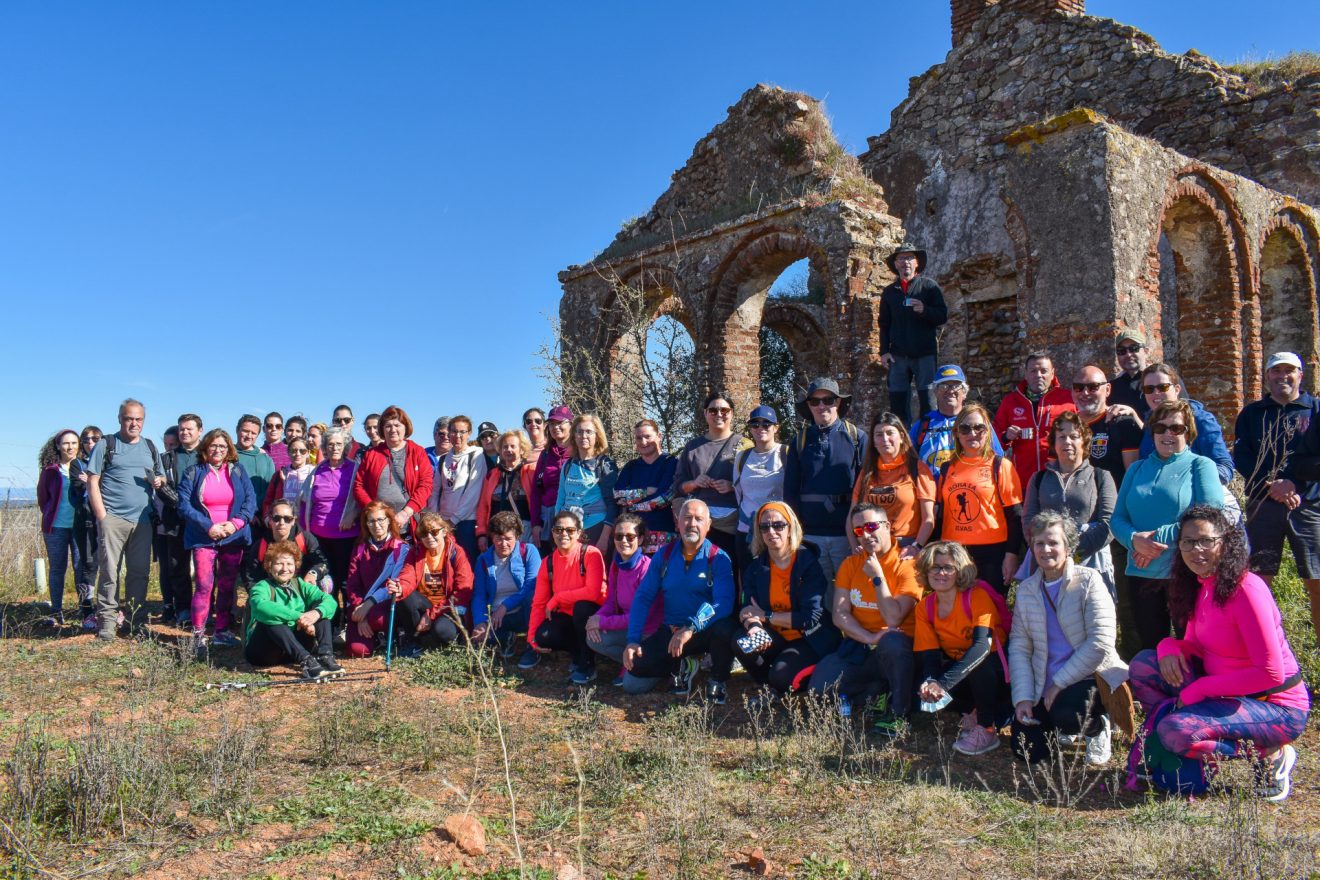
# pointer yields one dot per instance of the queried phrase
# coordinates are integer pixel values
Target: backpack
(741, 461)
(1166, 771)
(550, 566)
(1001, 607)
(668, 551)
(111, 442)
(854, 437)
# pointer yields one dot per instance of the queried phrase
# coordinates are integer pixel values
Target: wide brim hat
(824, 383)
(907, 247)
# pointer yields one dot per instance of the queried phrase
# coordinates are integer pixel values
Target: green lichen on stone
(1028, 135)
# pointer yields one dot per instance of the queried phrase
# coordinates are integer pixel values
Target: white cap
(1283, 357)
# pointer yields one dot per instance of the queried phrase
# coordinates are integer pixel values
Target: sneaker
(976, 741)
(1098, 747)
(52, 622)
(889, 725)
(682, 682)
(618, 681)
(582, 676)
(200, 645)
(312, 668)
(409, 652)
(529, 659)
(328, 665)
(507, 648)
(717, 693)
(967, 722)
(226, 639)
(183, 618)
(1278, 776)
(341, 636)
(90, 623)
(880, 704)
(1067, 739)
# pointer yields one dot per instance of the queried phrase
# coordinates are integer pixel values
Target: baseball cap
(949, 373)
(560, 414)
(1130, 335)
(486, 428)
(764, 412)
(1283, 357)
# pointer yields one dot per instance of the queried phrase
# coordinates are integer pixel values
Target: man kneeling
(289, 619)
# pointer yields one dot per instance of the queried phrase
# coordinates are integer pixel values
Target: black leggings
(1076, 710)
(274, 643)
(409, 612)
(717, 639)
(568, 632)
(338, 551)
(984, 690)
(778, 664)
(1150, 609)
(728, 541)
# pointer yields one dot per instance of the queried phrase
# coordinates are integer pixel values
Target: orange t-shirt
(893, 489)
(953, 634)
(972, 512)
(780, 600)
(900, 577)
(432, 584)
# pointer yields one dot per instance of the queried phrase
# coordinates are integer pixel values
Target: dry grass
(1270, 72)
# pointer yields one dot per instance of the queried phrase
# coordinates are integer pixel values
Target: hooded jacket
(1030, 454)
(810, 593)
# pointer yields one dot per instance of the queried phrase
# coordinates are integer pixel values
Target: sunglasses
(564, 530)
(978, 430)
(620, 537)
(1089, 386)
(342, 420)
(270, 427)
(777, 526)
(281, 519)
(1166, 428)
(1161, 388)
(432, 533)
(869, 528)
(822, 401)
(1128, 349)
(758, 423)
(718, 410)
(534, 421)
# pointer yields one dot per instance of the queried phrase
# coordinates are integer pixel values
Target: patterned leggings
(1213, 726)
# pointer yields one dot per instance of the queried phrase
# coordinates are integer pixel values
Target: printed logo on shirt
(1099, 446)
(966, 506)
(942, 458)
(884, 495)
(855, 597)
(1019, 411)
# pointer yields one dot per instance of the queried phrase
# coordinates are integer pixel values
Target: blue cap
(949, 373)
(764, 412)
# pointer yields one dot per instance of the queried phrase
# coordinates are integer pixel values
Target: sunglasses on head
(1167, 428)
(1161, 388)
(1088, 386)
(870, 528)
(777, 526)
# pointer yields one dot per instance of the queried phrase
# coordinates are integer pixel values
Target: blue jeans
(60, 548)
(465, 533)
(833, 550)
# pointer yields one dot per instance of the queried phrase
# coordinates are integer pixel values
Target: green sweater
(260, 470)
(272, 604)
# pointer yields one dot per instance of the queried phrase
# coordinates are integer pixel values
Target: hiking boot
(582, 675)
(976, 741)
(90, 623)
(717, 693)
(1098, 748)
(107, 633)
(329, 666)
(311, 668)
(529, 659)
(200, 646)
(1278, 776)
(682, 681)
(967, 722)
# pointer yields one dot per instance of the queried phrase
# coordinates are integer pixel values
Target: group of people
(873, 567)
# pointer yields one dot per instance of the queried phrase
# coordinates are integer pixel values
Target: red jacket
(416, 475)
(576, 580)
(526, 475)
(1030, 455)
(456, 579)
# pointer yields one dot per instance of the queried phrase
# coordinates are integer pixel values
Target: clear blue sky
(230, 207)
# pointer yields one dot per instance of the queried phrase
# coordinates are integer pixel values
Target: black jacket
(312, 569)
(809, 592)
(903, 331)
(175, 463)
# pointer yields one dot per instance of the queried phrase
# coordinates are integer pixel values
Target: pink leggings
(215, 567)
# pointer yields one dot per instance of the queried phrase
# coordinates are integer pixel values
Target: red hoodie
(416, 477)
(455, 586)
(1030, 455)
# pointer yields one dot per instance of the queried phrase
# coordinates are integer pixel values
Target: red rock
(467, 833)
(757, 863)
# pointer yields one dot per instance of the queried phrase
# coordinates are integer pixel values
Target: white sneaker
(1067, 739)
(1098, 748)
(1278, 779)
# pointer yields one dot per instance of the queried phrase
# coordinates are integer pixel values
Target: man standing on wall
(1125, 388)
(1268, 434)
(819, 471)
(911, 310)
(1025, 415)
(122, 472)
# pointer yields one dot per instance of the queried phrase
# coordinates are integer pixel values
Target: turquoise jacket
(1155, 493)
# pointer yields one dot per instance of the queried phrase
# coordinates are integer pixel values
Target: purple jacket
(50, 485)
(279, 453)
(621, 586)
(545, 483)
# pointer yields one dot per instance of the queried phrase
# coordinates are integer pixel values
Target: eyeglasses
(870, 528)
(758, 423)
(777, 526)
(1174, 428)
(620, 537)
(943, 569)
(1199, 543)
(978, 430)
(281, 519)
(342, 420)
(1088, 386)
(718, 410)
(1128, 349)
(432, 533)
(829, 400)
(222, 447)
(564, 530)
(378, 522)
(1161, 388)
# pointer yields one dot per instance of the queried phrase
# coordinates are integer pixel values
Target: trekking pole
(389, 636)
(223, 686)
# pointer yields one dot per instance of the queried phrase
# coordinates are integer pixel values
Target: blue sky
(230, 207)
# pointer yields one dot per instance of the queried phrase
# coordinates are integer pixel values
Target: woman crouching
(289, 619)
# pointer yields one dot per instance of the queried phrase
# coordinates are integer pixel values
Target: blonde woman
(508, 486)
(586, 483)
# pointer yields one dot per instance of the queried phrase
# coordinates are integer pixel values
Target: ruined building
(1068, 177)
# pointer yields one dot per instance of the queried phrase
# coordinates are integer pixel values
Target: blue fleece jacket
(685, 586)
(524, 566)
(819, 472)
(197, 519)
(1156, 491)
(1209, 441)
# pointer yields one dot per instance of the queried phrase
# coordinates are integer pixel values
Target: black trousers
(778, 664)
(716, 639)
(274, 643)
(176, 588)
(84, 535)
(1076, 709)
(1150, 609)
(338, 551)
(989, 559)
(568, 632)
(984, 690)
(409, 612)
(728, 542)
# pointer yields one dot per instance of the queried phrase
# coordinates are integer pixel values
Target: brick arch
(803, 334)
(870, 394)
(741, 285)
(1204, 326)
(1286, 281)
